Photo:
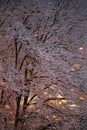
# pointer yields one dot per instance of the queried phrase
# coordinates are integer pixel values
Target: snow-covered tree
(43, 61)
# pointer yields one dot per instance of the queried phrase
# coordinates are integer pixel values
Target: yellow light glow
(60, 96)
(54, 117)
(73, 106)
(7, 106)
(64, 101)
(72, 69)
(11, 122)
(31, 106)
(81, 98)
(72, 89)
(52, 86)
(81, 48)
(11, 113)
(45, 92)
(59, 102)
(75, 67)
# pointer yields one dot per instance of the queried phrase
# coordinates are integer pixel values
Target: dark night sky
(80, 4)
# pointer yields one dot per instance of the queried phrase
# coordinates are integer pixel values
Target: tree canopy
(43, 65)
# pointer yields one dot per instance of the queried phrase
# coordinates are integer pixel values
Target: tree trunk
(18, 100)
